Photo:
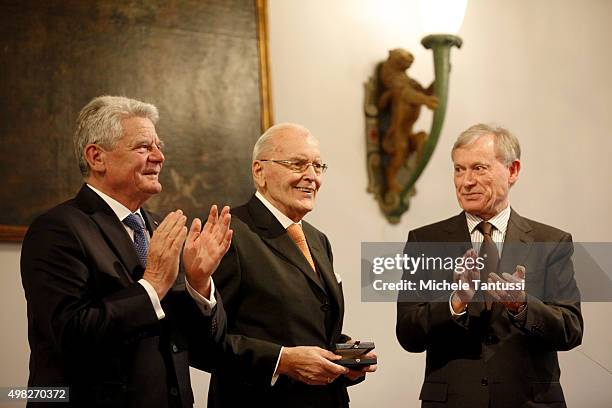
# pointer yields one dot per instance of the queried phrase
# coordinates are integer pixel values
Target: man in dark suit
(109, 313)
(495, 347)
(283, 300)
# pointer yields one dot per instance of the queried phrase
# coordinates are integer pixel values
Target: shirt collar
(120, 210)
(282, 218)
(500, 221)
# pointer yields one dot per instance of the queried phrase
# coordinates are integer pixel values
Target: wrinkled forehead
(295, 142)
(482, 147)
(136, 127)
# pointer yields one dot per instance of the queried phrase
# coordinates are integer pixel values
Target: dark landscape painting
(201, 62)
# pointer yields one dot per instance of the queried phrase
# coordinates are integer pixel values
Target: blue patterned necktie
(135, 222)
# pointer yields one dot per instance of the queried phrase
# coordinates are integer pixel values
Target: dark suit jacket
(488, 356)
(273, 299)
(92, 327)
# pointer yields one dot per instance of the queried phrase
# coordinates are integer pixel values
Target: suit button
(484, 382)
(325, 307)
(173, 391)
(174, 348)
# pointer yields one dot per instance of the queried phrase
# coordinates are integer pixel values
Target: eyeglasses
(299, 166)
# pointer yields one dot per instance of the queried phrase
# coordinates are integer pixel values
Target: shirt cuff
(275, 375)
(450, 305)
(154, 298)
(206, 306)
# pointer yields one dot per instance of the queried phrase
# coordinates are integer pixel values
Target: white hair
(99, 122)
(264, 143)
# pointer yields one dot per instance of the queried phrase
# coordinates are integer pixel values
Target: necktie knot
(296, 233)
(486, 228)
(134, 221)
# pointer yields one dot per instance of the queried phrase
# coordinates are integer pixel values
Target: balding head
(287, 169)
(266, 142)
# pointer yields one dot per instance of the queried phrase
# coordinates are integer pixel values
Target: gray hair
(507, 147)
(264, 143)
(99, 122)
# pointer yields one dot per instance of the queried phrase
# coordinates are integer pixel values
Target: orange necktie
(297, 235)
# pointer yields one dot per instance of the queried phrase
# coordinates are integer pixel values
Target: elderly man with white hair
(284, 301)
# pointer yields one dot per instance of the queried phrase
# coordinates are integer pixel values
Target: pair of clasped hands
(512, 299)
(204, 248)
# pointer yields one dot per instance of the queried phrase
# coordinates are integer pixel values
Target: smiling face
(129, 172)
(482, 181)
(292, 193)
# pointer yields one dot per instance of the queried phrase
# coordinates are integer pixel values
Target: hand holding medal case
(353, 354)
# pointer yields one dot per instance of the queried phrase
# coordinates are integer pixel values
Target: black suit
(91, 325)
(488, 358)
(273, 298)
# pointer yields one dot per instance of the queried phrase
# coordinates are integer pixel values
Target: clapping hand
(512, 299)
(205, 247)
(465, 294)
(164, 253)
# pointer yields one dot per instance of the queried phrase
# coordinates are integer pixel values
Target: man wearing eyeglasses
(283, 300)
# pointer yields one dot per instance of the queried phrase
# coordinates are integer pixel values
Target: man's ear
(258, 175)
(95, 157)
(515, 169)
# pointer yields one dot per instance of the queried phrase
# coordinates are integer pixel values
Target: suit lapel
(333, 290)
(517, 243)
(322, 261)
(275, 236)
(150, 222)
(113, 230)
(458, 239)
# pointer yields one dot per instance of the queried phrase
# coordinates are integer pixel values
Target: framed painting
(203, 63)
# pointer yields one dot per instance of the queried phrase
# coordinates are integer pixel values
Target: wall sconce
(397, 154)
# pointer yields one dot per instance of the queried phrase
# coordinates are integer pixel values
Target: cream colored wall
(14, 351)
(541, 68)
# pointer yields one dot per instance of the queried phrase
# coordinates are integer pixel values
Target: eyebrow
(145, 140)
(478, 163)
(304, 158)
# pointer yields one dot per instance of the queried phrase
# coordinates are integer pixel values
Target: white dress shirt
(122, 212)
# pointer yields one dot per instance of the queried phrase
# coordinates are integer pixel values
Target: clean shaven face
(133, 166)
(294, 194)
(482, 181)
